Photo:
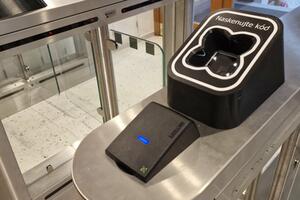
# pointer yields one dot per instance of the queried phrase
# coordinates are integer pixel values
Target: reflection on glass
(273, 7)
(138, 68)
(201, 9)
(49, 99)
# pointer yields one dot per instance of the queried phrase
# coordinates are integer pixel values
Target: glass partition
(138, 66)
(49, 99)
(201, 10)
(75, 66)
(49, 96)
(273, 7)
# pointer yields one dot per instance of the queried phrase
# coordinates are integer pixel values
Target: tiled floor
(45, 128)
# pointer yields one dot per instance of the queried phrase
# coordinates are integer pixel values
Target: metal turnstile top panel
(55, 9)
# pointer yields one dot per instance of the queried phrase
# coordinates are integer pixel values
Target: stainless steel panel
(292, 191)
(286, 182)
(260, 148)
(105, 72)
(202, 171)
(33, 175)
(67, 193)
(184, 15)
(4, 188)
(188, 18)
(9, 8)
(169, 31)
(56, 9)
(283, 168)
(178, 25)
(49, 184)
(252, 189)
(107, 10)
(12, 185)
(71, 11)
(219, 165)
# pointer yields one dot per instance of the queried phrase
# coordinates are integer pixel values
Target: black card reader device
(227, 68)
(152, 140)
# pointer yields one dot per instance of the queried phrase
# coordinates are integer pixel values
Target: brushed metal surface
(219, 165)
(68, 193)
(12, 185)
(58, 14)
(56, 9)
(104, 72)
(196, 173)
(10, 8)
(107, 10)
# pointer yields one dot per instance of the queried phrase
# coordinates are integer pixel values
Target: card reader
(152, 140)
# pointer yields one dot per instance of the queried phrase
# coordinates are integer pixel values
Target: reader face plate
(144, 141)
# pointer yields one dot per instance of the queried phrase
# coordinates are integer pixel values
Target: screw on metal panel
(27, 68)
(144, 169)
(296, 163)
(49, 168)
(110, 13)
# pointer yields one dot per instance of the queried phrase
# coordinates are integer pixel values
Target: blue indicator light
(143, 139)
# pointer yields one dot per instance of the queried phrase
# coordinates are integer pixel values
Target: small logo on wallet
(176, 130)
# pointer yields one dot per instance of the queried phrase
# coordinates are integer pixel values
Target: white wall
(128, 25)
(140, 25)
(145, 23)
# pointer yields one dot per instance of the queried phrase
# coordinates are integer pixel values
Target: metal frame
(106, 15)
(12, 185)
(248, 153)
(164, 76)
(178, 25)
(286, 162)
(105, 72)
(284, 177)
(251, 191)
(11, 179)
(176, 30)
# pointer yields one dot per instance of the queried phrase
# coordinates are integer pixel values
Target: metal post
(105, 72)
(169, 31)
(178, 25)
(184, 17)
(12, 185)
(251, 190)
(25, 69)
(284, 164)
(188, 17)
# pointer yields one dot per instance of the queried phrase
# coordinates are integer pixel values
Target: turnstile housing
(227, 68)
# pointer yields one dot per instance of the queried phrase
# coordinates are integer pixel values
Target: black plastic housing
(227, 68)
(152, 140)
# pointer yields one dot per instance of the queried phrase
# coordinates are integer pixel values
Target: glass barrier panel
(138, 67)
(201, 10)
(77, 76)
(49, 99)
(272, 7)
